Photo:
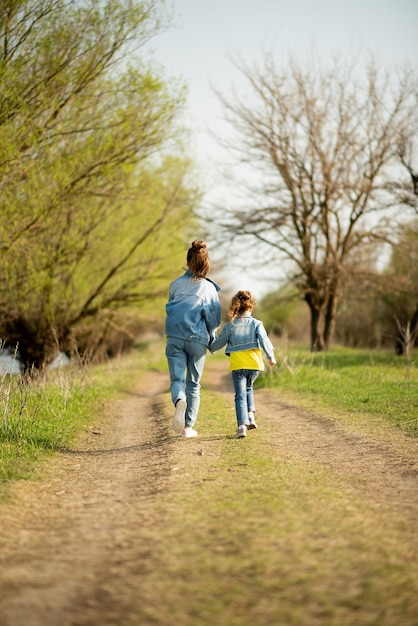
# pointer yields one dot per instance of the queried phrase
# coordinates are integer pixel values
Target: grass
(363, 384)
(46, 412)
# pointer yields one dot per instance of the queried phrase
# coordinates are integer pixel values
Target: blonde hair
(242, 302)
(198, 259)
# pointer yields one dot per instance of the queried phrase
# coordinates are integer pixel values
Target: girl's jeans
(186, 359)
(244, 395)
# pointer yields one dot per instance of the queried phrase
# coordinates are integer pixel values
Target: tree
(406, 189)
(284, 314)
(320, 146)
(401, 303)
(95, 185)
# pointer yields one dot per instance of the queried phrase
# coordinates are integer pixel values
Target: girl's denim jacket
(193, 309)
(244, 333)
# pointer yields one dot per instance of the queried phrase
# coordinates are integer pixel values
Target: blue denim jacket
(193, 309)
(244, 333)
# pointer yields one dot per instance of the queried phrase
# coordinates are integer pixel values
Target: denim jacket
(193, 309)
(244, 333)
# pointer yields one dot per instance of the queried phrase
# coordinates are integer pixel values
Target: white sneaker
(251, 421)
(178, 418)
(241, 432)
(188, 432)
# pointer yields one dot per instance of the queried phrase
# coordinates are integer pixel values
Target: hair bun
(198, 259)
(198, 244)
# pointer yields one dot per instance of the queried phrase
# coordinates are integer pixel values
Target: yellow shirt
(247, 360)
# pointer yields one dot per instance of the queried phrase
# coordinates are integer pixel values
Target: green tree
(284, 313)
(93, 175)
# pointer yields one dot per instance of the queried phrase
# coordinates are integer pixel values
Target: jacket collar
(217, 287)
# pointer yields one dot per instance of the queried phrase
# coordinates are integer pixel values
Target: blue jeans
(186, 360)
(244, 395)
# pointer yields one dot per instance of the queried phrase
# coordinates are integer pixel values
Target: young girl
(244, 337)
(193, 315)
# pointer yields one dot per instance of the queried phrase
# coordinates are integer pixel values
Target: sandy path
(386, 464)
(72, 542)
(61, 532)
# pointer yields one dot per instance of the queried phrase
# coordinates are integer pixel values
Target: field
(309, 521)
(360, 385)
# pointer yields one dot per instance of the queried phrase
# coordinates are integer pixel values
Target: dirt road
(76, 544)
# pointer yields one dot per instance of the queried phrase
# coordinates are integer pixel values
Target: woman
(193, 315)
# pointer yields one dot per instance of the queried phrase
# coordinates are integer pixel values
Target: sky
(205, 33)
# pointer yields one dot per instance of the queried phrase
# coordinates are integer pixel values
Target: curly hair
(242, 302)
(198, 259)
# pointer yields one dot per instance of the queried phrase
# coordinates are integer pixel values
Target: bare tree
(408, 155)
(407, 334)
(319, 145)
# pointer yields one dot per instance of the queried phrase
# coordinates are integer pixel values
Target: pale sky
(204, 32)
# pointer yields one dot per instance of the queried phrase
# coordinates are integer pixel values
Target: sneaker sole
(251, 426)
(178, 419)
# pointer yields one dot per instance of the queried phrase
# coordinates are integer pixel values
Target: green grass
(372, 384)
(46, 413)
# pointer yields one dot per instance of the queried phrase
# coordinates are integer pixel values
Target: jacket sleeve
(212, 315)
(219, 342)
(264, 341)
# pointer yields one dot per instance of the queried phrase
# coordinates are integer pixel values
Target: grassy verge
(363, 384)
(44, 413)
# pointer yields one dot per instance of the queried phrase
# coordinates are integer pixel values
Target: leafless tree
(407, 334)
(319, 146)
(408, 155)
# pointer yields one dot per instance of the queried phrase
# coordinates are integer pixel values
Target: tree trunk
(37, 340)
(316, 339)
(414, 322)
(407, 334)
(330, 318)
